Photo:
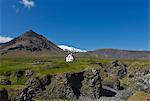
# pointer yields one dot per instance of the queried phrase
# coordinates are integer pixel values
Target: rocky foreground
(103, 83)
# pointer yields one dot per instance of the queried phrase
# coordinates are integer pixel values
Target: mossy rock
(139, 96)
(12, 90)
(103, 73)
(111, 81)
(138, 66)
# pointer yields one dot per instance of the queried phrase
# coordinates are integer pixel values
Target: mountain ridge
(110, 53)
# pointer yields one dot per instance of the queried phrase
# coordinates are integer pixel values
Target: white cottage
(69, 58)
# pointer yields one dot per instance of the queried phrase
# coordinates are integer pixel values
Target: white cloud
(27, 3)
(4, 39)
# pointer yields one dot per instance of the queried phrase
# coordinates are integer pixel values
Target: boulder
(33, 89)
(91, 84)
(60, 88)
(117, 68)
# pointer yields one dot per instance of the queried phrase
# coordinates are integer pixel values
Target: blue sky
(86, 24)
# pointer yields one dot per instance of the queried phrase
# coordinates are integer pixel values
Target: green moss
(110, 79)
(18, 81)
(13, 90)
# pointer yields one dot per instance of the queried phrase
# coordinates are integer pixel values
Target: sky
(85, 24)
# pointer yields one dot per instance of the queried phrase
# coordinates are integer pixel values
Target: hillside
(116, 54)
(30, 44)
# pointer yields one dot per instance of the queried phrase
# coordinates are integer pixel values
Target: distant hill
(30, 44)
(116, 54)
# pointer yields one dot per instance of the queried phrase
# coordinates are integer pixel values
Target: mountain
(28, 44)
(32, 44)
(116, 54)
(70, 49)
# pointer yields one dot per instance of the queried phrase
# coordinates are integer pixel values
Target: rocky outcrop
(117, 68)
(60, 88)
(35, 86)
(3, 95)
(75, 81)
(139, 76)
(91, 84)
(142, 79)
(75, 85)
(63, 86)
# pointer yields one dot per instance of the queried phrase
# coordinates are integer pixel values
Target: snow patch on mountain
(4, 39)
(71, 49)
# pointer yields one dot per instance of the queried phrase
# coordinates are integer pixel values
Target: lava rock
(91, 84)
(60, 88)
(117, 68)
(3, 94)
(34, 88)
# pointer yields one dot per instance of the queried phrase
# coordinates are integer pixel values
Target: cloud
(28, 3)
(4, 39)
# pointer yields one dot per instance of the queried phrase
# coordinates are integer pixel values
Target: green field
(53, 65)
(43, 66)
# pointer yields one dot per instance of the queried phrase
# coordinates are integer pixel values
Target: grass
(63, 67)
(53, 66)
(11, 86)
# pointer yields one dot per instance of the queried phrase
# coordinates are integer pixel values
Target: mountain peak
(30, 33)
